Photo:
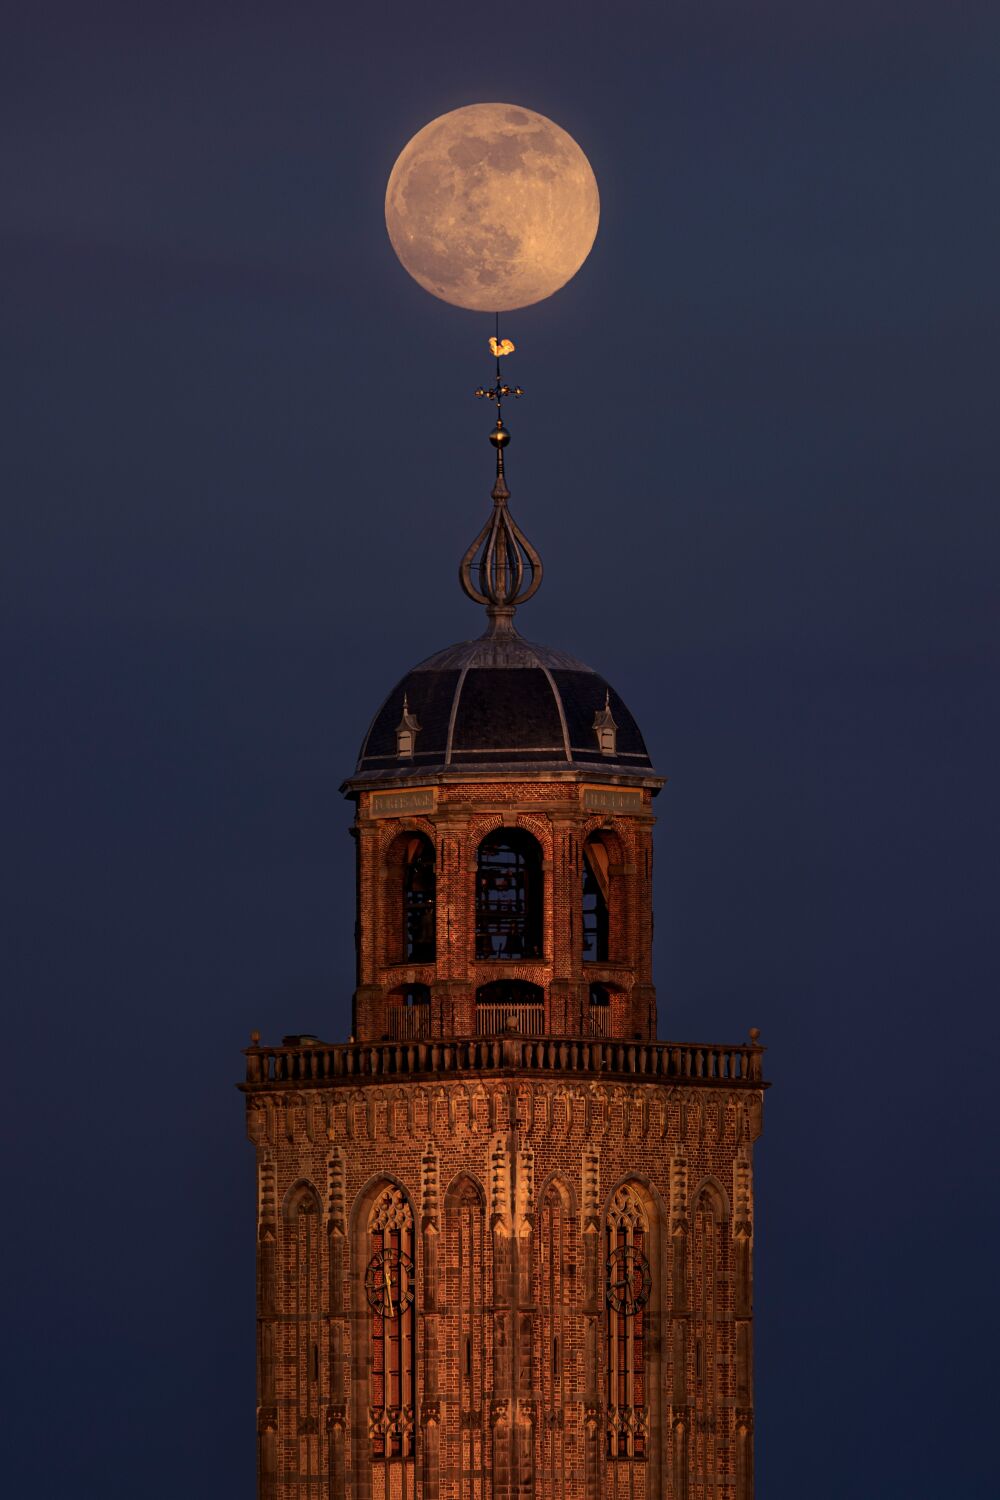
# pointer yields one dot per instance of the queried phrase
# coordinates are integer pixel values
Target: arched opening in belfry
(599, 1009)
(410, 900)
(603, 898)
(510, 1005)
(408, 1012)
(509, 896)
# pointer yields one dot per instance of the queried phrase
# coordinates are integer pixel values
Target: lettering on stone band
(392, 804)
(612, 799)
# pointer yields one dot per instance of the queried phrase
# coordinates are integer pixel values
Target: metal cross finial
(496, 392)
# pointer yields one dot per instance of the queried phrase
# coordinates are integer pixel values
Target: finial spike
(494, 569)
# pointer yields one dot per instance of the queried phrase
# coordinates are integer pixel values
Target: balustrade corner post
(756, 1055)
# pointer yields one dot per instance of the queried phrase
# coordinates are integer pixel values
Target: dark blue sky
(240, 461)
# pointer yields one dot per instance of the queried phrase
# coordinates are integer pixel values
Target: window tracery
(627, 1293)
(389, 1289)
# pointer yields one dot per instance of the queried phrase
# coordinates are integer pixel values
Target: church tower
(504, 1234)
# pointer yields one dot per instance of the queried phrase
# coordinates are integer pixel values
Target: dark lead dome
(502, 701)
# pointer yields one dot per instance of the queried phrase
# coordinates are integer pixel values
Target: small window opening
(468, 1359)
(315, 1362)
(699, 1362)
(555, 1358)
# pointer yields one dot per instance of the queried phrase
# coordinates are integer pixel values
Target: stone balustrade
(315, 1064)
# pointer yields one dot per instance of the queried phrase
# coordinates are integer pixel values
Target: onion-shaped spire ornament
(501, 569)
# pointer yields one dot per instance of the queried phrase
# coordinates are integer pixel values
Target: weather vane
(496, 392)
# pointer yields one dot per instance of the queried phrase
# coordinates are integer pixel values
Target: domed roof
(502, 701)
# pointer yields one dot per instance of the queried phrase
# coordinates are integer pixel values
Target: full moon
(492, 207)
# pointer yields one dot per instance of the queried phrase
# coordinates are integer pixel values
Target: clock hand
(388, 1284)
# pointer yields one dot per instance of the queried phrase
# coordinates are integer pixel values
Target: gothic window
(510, 1005)
(627, 1291)
(389, 1290)
(408, 1013)
(509, 896)
(465, 1225)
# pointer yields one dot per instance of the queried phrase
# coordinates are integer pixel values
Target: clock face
(628, 1280)
(389, 1282)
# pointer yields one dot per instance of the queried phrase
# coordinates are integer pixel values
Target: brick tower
(504, 1235)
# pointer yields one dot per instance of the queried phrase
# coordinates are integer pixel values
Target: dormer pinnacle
(406, 732)
(605, 728)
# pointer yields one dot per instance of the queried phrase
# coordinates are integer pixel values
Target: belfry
(504, 1233)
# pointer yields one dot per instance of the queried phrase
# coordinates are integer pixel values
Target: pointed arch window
(627, 1291)
(509, 896)
(390, 1288)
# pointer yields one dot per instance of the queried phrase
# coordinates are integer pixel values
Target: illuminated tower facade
(504, 1234)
